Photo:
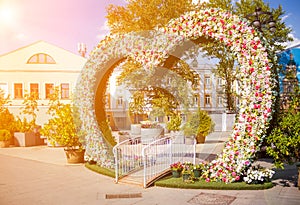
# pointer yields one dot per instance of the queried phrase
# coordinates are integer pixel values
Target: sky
(65, 23)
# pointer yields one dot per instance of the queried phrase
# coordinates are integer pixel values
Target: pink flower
(207, 179)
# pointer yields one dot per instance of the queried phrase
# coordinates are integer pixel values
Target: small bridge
(142, 163)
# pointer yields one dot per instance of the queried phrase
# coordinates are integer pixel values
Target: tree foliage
(199, 124)
(284, 140)
(30, 106)
(143, 15)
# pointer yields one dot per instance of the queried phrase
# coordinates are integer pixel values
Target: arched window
(41, 58)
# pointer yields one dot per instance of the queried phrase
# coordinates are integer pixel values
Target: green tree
(199, 124)
(63, 127)
(139, 16)
(6, 117)
(144, 15)
(284, 140)
(30, 106)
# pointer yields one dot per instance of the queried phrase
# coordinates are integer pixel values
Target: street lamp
(261, 19)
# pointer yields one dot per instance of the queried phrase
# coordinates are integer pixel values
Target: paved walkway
(40, 175)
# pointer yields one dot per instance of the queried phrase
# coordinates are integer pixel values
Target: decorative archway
(255, 82)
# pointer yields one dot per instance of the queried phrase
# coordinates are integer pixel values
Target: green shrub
(7, 120)
(199, 124)
(5, 135)
(61, 128)
(174, 124)
(283, 144)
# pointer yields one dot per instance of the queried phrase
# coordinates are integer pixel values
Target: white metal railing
(160, 154)
(151, 158)
(127, 156)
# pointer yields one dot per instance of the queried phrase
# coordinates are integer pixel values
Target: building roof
(64, 60)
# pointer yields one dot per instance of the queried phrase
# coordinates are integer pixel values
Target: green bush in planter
(61, 129)
(199, 124)
(174, 123)
(5, 135)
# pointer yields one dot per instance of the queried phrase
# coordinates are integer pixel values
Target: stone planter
(74, 156)
(148, 134)
(24, 139)
(4, 144)
(135, 129)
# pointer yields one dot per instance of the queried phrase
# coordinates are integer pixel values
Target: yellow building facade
(38, 67)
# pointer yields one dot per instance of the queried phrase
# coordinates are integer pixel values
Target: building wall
(14, 68)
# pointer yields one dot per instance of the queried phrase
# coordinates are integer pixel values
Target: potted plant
(176, 169)
(187, 171)
(199, 124)
(24, 135)
(5, 137)
(27, 131)
(62, 129)
(174, 123)
(197, 169)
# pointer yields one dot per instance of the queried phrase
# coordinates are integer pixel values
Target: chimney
(82, 49)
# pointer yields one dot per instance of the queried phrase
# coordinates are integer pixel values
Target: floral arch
(254, 76)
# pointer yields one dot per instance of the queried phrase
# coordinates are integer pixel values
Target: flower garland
(255, 82)
(144, 49)
(255, 85)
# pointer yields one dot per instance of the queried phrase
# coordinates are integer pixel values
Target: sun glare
(6, 15)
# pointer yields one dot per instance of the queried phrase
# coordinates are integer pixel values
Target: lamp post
(262, 19)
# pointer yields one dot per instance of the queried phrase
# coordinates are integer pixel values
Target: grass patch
(100, 170)
(202, 184)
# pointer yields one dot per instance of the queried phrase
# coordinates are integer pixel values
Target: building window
(18, 90)
(49, 89)
(120, 102)
(207, 82)
(34, 88)
(195, 100)
(65, 91)
(219, 101)
(41, 58)
(207, 100)
(219, 83)
(4, 89)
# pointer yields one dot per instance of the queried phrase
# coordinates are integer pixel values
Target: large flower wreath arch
(254, 75)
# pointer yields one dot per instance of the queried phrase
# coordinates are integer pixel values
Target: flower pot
(74, 156)
(186, 176)
(4, 144)
(175, 173)
(197, 173)
(200, 139)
